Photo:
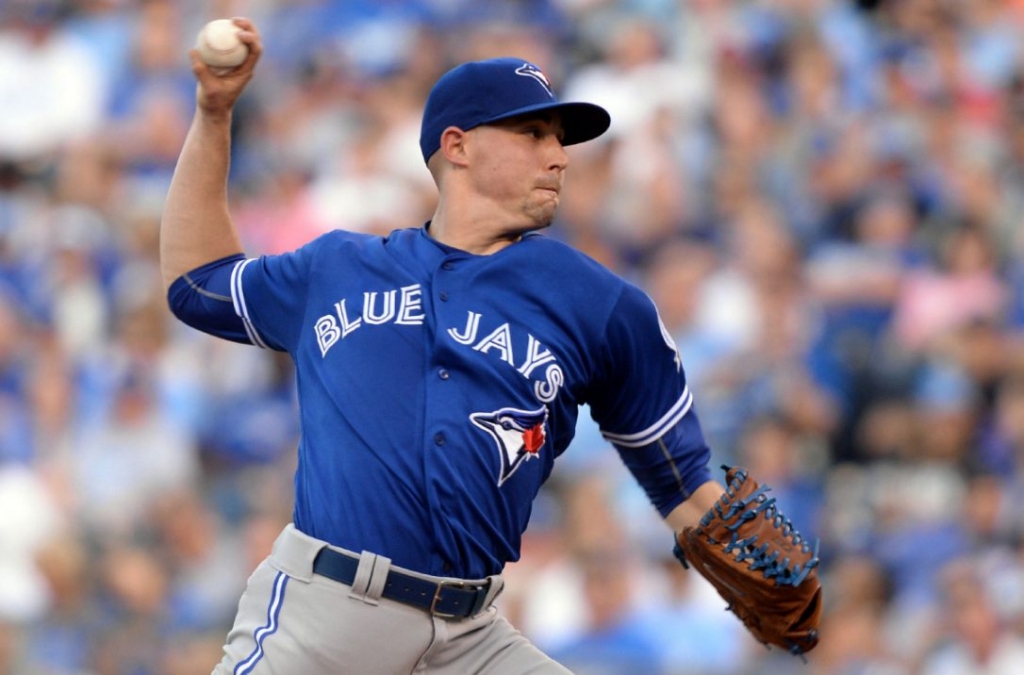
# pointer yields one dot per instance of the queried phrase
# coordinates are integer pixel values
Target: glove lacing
(746, 549)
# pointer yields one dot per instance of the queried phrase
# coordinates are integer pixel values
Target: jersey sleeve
(269, 295)
(644, 407)
(257, 301)
(201, 299)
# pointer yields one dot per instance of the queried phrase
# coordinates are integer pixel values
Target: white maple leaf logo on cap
(530, 70)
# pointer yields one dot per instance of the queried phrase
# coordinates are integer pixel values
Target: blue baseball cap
(482, 92)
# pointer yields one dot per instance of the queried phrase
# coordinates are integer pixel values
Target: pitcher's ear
(453, 145)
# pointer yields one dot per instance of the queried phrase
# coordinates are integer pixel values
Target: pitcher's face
(520, 164)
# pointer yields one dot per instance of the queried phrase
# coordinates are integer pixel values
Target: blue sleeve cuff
(671, 468)
(202, 299)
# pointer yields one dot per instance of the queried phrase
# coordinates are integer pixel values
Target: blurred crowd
(824, 198)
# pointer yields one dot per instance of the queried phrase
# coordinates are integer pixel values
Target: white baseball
(219, 46)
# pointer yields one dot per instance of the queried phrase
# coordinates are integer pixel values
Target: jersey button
(447, 266)
(443, 296)
(439, 439)
(443, 374)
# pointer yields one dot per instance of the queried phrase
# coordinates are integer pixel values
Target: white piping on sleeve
(238, 299)
(656, 430)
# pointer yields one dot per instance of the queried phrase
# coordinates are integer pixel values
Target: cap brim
(580, 121)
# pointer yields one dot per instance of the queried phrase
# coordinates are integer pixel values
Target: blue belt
(448, 599)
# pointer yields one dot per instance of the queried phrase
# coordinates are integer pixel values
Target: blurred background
(824, 197)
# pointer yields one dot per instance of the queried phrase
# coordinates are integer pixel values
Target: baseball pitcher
(440, 371)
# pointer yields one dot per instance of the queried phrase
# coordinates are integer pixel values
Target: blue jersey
(438, 387)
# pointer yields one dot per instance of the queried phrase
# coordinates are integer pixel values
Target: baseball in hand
(219, 46)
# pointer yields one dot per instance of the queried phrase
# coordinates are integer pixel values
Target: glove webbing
(746, 549)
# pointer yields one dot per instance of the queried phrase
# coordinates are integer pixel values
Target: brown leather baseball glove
(759, 564)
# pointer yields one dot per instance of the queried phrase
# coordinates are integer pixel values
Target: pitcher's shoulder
(565, 259)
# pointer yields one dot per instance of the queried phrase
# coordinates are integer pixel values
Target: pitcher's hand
(217, 92)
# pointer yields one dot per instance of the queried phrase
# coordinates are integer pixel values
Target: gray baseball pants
(291, 621)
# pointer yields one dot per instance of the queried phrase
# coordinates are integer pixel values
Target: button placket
(439, 438)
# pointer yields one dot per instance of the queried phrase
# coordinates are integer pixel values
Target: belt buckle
(437, 597)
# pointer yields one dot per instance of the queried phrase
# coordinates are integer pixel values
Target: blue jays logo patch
(519, 435)
(530, 70)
